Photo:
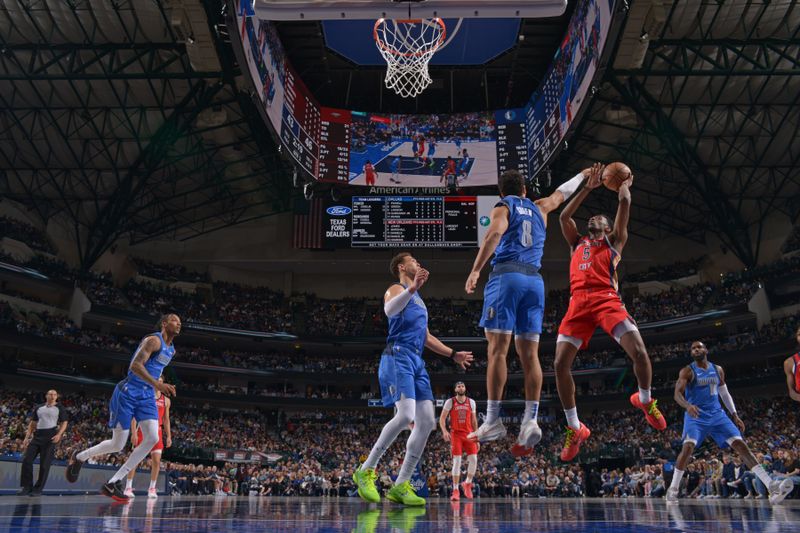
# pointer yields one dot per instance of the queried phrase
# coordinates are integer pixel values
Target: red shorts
(459, 443)
(370, 179)
(589, 309)
(159, 446)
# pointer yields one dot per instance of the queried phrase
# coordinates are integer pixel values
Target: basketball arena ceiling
(131, 117)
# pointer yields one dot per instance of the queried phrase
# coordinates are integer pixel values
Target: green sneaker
(405, 519)
(405, 495)
(367, 521)
(365, 481)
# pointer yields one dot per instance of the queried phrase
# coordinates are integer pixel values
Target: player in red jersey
(595, 301)
(791, 367)
(421, 149)
(369, 172)
(463, 421)
(164, 441)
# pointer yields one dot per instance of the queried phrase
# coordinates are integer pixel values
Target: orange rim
(383, 45)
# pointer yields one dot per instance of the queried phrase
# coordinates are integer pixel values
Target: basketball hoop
(407, 46)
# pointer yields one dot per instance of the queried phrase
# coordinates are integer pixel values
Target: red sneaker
(651, 412)
(467, 488)
(573, 441)
(455, 496)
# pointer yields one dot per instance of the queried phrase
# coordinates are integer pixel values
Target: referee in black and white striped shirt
(44, 432)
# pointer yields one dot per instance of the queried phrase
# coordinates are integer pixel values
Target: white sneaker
(152, 494)
(529, 434)
(672, 495)
(489, 432)
(129, 493)
(779, 490)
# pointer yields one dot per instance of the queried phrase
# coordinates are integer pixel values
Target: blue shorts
(402, 374)
(130, 402)
(719, 426)
(513, 302)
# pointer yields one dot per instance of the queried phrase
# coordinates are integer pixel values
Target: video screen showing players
(423, 150)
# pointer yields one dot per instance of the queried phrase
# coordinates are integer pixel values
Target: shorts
(370, 179)
(719, 426)
(158, 447)
(459, 443)
(402, 374)
(590, 309)
(513, 302)
(129, 402)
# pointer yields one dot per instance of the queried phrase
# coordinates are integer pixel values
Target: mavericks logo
(338, 210)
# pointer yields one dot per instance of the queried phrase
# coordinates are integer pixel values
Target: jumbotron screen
(362, 148)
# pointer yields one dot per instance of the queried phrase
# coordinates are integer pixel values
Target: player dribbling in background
(463, 421)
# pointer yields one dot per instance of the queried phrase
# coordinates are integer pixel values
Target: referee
(50, 423)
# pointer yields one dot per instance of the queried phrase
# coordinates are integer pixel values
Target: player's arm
(396, 297)
(443, 422)
(474, 419)
(727, 399)
(167, 426)
(134, 433)
(564, 191)
(496, 230)
(620, 234)
(150, 345)
(684, 378)
(788, 369)
(568, 226)
(462, 359)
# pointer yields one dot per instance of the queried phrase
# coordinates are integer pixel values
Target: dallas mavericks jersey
(702, 390)
(154, 366)
(409, 327)
(523, 241)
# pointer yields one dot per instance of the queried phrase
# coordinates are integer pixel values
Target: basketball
(615, 174)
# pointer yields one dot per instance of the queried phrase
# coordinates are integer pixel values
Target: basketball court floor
(97, 514)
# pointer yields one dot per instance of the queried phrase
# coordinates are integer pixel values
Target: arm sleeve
(569, 187)
(448, 405)
(397, 304)
(727, 399)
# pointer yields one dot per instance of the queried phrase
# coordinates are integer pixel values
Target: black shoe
(73, 468)
(115, 491)
(24, 491)
(35, 492)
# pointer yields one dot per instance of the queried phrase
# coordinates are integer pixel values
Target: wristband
(452, 353)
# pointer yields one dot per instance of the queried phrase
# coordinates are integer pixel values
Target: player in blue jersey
(513, 303)
(404, 381)
(699, 389)
(135, 397)
(395, 165)
(431, 151)
(462, 166)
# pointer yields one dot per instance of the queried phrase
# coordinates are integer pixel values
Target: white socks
(677, 475)
(572, 418)
(129, 484)
(492, 411)
(759, 471)
(402, 418)
(424, 423)
(531, 411)
(115, 444)
(153, 484)
(644, 396)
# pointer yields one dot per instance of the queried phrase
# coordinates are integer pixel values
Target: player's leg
(424, 423)
(572, 334)
(456, 469)
(778, 489)
(155, 467)
(631, 341)
(472, 467)
(680, 467)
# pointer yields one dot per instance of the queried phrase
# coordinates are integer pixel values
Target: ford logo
(338, 210)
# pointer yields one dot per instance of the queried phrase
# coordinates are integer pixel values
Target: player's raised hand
(472, 282)
(595, 176)
(693, 411)
(463, 359)
(166, 388)
(420, 278)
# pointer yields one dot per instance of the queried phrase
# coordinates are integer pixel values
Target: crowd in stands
(169, 271)
(314, 453)
(21, 231)
(676, 270)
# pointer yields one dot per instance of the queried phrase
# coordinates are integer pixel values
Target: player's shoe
(73, 468)
(489, 432)
(455, 496)
(129, 493)
(152, 493)
(115, 491)
(651, 412)
(467, 488)
(573, 440)
(672, 495)
(779, 490)
(404, 519)
(529, 436)
(365, 481)
(404, 494)
(367, 521)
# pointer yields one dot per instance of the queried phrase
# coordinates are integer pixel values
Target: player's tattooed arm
(684, 378)
(788, 369)
(149, 346)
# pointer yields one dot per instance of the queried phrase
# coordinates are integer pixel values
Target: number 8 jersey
(523, 241)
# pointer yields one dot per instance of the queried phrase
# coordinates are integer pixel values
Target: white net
(407, 46)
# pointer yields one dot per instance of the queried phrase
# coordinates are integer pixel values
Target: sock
(455, 485)
(395, 426)
(153, 484)
(424, 423)
(531, 411)
(677, 475)
(644, 396)
(759, 471)
(129, 484)
(492, 411)
(572, 418)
